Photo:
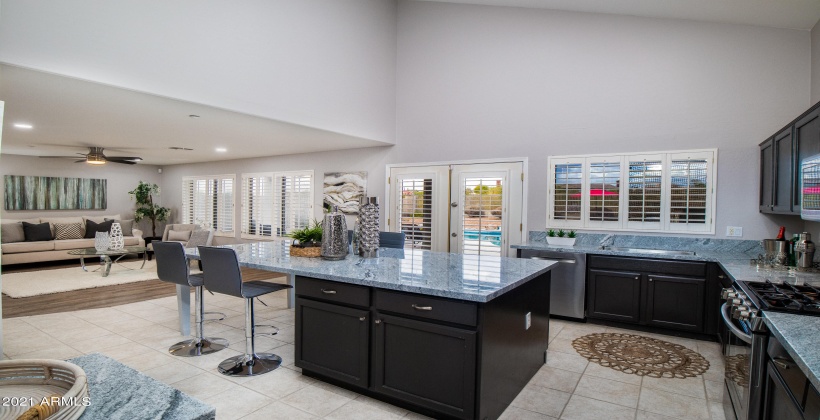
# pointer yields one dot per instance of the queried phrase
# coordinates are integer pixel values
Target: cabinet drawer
(333, 291)
(440, 309)
(648, 265)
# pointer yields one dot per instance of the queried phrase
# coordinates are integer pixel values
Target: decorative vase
(101, 241)
(334, 236)
(368, 238)
(557, 241)
(116, 241)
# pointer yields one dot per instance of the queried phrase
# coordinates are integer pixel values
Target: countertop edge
(798, 358)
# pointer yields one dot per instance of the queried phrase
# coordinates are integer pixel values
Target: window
(666, 192)
(276, 203)
(208, 201)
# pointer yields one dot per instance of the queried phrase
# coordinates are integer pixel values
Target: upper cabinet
(780, 158)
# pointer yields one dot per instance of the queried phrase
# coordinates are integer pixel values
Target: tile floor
(138, 335)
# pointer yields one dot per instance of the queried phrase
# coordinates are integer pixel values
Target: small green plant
(551, 233)
(311, 235)
(571, 234)
(561, 233)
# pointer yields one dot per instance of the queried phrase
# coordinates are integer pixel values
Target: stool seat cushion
(252, 289)
(196, 280)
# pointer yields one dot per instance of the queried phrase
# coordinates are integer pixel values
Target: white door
(471, 209)
(486, 208)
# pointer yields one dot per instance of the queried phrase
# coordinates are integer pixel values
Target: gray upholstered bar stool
(172, 266)
(223, 275)
(386, 239)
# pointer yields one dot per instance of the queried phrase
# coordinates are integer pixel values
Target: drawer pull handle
(782, 364)
(422, 308)
(329, 292)
(362, 318)
(378, 321)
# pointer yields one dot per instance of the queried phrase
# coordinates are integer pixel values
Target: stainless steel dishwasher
(568, 281)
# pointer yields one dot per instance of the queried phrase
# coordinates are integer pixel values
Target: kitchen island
(446, 335)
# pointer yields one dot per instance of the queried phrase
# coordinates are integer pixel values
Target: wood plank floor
(100, 297)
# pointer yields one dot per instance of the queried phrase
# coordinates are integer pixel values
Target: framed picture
(54, 193)
(343, 190)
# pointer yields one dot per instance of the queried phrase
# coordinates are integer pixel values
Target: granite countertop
(799, 334)
(467, 277)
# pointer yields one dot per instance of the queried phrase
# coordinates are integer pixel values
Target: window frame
(274, 232)
(219, 204)
(666, 224)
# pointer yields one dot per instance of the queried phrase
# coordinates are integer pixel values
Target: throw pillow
(12, 232)
(68, 231)
(179, 235)
(92, 228)
(127, 226)
(38, 232)
(198, 238)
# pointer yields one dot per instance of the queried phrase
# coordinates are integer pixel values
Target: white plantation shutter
(276, 203)
(208, 201)
(661, 192)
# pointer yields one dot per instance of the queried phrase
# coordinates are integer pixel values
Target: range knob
(728, 294)
(741, 312)
(735, 301)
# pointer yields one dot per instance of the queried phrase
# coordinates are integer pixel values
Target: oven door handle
(727, 319)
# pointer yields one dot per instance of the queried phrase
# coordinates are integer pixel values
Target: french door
(471, 209)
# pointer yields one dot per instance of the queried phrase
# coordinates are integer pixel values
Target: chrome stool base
(192, 348)
(241, 366)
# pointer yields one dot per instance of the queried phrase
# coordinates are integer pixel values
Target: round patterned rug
(639, 355)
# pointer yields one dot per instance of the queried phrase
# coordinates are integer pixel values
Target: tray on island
(26, 383)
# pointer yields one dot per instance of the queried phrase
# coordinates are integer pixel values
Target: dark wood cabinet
(614, 295)
(766, 176)
(675, 302)
(426, 364)
(784, 175)
(348, 328)
(651, 292)
(807, 144)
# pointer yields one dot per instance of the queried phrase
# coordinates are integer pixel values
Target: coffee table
(106, 257)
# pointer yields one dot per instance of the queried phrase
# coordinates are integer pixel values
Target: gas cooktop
(784, 297)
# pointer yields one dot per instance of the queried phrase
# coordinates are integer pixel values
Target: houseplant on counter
(144, 196)
(561, 238)
(307, 242)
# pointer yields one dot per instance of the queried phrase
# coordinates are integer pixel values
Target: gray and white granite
(799, 335)
(119, 392)
(467, 277)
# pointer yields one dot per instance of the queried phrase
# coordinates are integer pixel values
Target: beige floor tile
(691, 387)
(174, 372)
(675, 405)
(598, 371)
(59, 352)
(515, 413)
(148, 360)
(646, 415)
(610, 391)
(566, 361)
(355, 410)
(237, 402)
(204, 385)
(541, 400)
(211, 361)
(100, 343)
(390, 408)
(716, 409)
(18, 344)
(416, 416)
(315, 400)
(279, 383)
(562, 345)
(716, 373)
(583, 408)
(558, 379)
(337, 390)
(279, 411)
(714, 390)
(124, 351)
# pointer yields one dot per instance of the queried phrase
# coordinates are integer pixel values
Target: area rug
(640, 355)
(44, 282)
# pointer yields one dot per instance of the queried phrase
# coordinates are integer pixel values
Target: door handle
(453, 234)
(422, 308)
(328, 292)
(650, 279)
(453, 204)
(362, 318)
(781, 363)
(378, 321)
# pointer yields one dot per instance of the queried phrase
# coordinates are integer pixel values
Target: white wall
(121, 179)
(478, 82)
(815, 63)
(328, 64)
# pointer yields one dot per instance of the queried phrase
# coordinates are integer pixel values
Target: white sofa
(53, 250)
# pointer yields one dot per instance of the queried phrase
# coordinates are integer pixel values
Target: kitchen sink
(647, 251)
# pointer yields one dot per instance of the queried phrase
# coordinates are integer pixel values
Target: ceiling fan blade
(58, 157)
(80, 161)
(124, 157)
(116, 160)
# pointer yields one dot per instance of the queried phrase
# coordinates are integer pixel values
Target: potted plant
(307, 242)
(144, 196)
(561, 238)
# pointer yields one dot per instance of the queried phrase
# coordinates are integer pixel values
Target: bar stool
(223, 275)
(172, 266)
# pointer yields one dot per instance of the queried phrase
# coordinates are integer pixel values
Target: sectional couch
(27, 252)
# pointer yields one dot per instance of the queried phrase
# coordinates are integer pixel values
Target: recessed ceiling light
(194, 116)
(23, 126)
(221, 149)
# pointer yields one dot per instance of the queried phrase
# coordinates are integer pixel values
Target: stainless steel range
(744, 337)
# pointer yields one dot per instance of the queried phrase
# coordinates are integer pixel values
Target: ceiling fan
(95, 156)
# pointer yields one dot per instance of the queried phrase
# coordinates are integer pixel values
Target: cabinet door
(807, 144)
(779, 403)
(783, 172)
(675, 302)
(426, 364)
(766, 176)
(614, 295)
(348, 329)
